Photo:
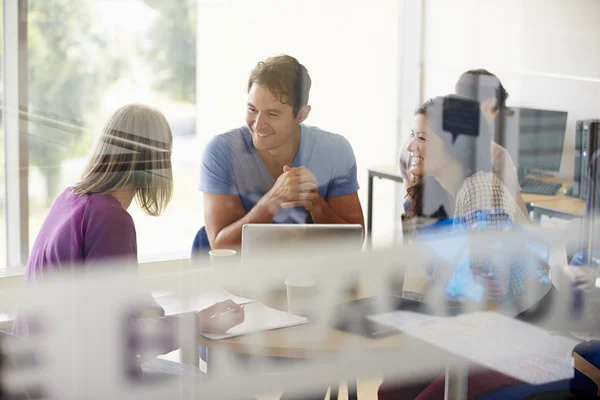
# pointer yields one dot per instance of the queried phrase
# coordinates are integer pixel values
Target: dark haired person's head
(482, 86)
(447, 129)
(278, 90)
(449, 141)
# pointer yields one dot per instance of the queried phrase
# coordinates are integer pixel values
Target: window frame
(15, 112)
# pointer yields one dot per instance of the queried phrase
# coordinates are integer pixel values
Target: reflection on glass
(87, 58)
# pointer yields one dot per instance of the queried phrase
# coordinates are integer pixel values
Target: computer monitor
(541, 138)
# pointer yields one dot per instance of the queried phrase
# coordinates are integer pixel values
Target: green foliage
(74, 61)
(171, 49)
(69, 67)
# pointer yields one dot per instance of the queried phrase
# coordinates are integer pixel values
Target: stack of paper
(495, 341)
(258, 317)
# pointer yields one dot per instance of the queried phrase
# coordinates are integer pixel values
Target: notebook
(258, 317)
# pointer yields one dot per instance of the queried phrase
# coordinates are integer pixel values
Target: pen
(231, 310)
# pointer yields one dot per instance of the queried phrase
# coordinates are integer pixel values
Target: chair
(200, 249)
(201, 245)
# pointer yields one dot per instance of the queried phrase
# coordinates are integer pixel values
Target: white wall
(350, 49)
(546, 52)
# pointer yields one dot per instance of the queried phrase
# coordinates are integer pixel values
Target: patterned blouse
(484, 191)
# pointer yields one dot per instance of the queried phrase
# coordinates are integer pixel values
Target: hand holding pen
(220, 317)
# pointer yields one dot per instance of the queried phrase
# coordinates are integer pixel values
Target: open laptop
(264, 238)
(353, 316)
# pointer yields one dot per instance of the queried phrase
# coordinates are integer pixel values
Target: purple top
(80, 230)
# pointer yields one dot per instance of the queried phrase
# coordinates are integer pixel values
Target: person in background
(454, 183)
(485, 383)
(88, 224)
(276, 169)
(449, 151)
(450, 163)
(484, 87)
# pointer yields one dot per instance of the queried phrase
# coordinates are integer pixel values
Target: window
(2, 165)
(86, 59)
(350, 51)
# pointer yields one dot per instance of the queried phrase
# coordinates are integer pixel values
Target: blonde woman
(89, 223)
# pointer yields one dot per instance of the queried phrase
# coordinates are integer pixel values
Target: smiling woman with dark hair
(451, 163)
(484, 88)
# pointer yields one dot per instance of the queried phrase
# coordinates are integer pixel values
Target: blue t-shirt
(231, 165)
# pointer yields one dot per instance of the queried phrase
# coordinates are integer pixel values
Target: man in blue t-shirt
(277, 169)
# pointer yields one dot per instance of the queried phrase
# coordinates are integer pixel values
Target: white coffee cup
(302, 292)
(223, 258)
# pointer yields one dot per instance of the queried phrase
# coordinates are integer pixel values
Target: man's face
(271, 122)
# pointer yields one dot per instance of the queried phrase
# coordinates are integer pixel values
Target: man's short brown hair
(285, 77)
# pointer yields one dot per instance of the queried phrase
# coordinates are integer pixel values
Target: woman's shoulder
(482, 177)
(486, 181)
(105, 209)
(485, 191)
(479, 182)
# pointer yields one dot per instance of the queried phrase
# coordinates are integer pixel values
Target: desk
(299, 342)
(536, 198)
(386, 171)
(565, 208)
(558, 205)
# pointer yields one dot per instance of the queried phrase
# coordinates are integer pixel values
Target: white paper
(501, 343)
(258, 318)
(174, 304)
(406, 321)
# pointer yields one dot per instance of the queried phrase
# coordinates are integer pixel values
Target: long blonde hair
(133, 151)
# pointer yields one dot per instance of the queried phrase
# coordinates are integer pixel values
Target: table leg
(352, 390)
(189, 352)
(370, 209)
(456, 381)
(208, 359)
(537, 216)
(333, 393)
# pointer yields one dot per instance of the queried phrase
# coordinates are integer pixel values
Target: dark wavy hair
(466, 137)
(415, 192)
